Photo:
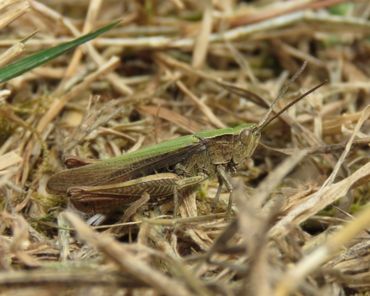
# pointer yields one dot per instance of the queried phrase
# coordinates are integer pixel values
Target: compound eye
(245, 136)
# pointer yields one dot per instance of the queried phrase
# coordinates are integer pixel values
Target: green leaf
(341, 9)
(28, 63)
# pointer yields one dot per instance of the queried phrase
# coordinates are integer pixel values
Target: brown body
(103, 187)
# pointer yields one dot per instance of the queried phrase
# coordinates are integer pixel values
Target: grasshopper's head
(247, 142)
(250, 138)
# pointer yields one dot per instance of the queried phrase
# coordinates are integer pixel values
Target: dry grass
(300, 216)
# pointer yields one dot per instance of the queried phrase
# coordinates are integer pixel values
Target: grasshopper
(163, 170)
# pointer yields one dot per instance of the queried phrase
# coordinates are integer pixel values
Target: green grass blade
(28, 63)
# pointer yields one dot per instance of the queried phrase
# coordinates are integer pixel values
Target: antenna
(283, 91)
(266, 121)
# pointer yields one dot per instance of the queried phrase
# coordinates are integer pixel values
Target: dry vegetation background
(300, 223)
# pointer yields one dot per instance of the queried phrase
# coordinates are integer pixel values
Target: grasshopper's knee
(180, 169)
